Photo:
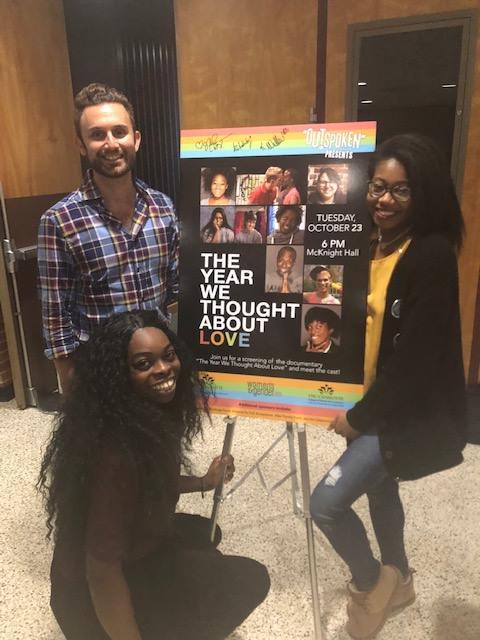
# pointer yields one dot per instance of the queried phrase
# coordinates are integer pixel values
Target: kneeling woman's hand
(221, 468)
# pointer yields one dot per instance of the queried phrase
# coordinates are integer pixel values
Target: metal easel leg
(305, 475)
(293, 466)
(230, 421)
(256, 467)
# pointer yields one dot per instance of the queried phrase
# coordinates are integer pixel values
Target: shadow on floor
(456, 620)
(473, 414)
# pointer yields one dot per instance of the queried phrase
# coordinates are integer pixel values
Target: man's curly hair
(97, 93)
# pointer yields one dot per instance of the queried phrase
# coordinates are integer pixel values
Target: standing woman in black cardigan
(411, 421)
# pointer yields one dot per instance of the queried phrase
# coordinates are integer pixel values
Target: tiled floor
(443, 521)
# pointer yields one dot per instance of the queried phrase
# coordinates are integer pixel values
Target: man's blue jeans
(361, 470)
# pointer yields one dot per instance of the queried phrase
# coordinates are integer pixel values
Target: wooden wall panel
(38, 153)
(246, 63)
(341, 13)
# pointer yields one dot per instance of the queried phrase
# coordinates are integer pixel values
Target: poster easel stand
(302, 510)
(305, 476)
(230, 422)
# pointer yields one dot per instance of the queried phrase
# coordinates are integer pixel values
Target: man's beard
(101, 165)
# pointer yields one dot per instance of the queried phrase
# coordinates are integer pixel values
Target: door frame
(467, 19)
(10, 315)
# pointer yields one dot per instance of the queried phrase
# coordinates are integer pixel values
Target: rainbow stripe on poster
(308, 401)
(335, 140)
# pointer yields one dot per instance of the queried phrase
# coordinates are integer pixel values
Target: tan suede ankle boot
(368, 610)
(404, 594)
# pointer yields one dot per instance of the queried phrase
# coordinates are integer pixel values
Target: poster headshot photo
(250, 225)
(327, 184)
(284, 269)
(320, 329)
(286, 224)
(289, 189)
(216, 225)
(259, 188)
(217, 186)
(323, 283)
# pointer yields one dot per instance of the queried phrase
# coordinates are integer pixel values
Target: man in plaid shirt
(112, 244)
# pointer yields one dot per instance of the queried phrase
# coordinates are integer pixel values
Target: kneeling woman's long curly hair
(102, 410)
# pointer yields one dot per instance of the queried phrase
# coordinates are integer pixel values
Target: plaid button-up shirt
(90, 266)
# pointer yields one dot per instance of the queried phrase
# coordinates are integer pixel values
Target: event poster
(274, 266)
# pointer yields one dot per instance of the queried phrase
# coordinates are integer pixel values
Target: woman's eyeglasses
(399, 192)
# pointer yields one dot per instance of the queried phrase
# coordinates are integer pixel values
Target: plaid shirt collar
(89, 191)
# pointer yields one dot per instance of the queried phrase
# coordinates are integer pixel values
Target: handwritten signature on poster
(216, 142)
(213, 142)
(274, 141)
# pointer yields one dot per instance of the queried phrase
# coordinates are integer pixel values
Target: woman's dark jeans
(358, 471)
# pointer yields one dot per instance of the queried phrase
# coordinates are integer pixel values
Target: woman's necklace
(389, 246)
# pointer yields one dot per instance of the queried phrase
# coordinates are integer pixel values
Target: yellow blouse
(380, 273)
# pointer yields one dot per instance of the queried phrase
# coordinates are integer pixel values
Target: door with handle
(34, 377)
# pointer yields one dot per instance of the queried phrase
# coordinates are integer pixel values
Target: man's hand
(221, 468)
(341, 426)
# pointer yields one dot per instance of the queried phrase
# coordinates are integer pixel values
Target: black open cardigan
(417, 402)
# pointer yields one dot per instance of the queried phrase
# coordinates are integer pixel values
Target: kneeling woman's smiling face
(153, 364)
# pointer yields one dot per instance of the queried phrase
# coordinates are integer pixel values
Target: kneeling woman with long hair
(125, 566)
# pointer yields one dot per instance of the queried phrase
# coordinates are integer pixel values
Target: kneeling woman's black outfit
(182, 587)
